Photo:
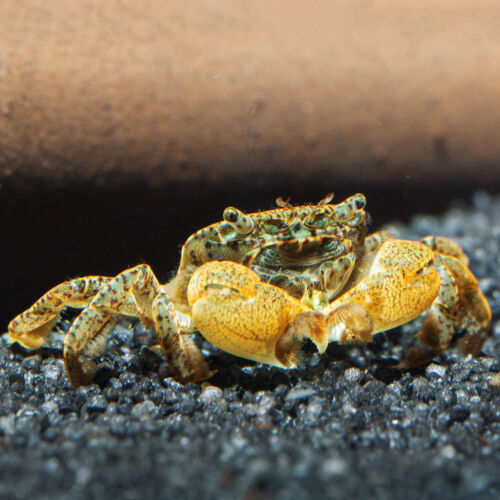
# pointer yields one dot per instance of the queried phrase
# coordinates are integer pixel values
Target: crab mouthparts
(303, 252)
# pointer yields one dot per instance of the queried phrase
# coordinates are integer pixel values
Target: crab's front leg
(88, 333)
(402, 283)
(238, 313)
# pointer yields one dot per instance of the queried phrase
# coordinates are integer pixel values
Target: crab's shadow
(372, 359)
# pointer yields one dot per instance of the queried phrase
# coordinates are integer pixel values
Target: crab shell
(308, 250)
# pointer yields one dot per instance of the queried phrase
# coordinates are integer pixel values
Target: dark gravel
(345, 425)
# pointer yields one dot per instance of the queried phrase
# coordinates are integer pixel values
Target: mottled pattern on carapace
(286, 246)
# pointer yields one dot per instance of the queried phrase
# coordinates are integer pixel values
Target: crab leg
(475, 313)
(184, 358)
(31, 327)
(476, 317)
(87, 335)
(439, 322)
(446, 246)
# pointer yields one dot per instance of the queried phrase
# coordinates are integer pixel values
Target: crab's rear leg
(439, 323)
(87, 335)
(474, 311)
(446, 246)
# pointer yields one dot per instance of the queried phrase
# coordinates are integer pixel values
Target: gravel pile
(344, 425)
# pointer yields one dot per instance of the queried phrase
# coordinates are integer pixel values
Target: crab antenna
(327, 199)
(283, 203)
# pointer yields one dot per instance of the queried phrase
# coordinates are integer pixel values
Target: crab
(257, 285)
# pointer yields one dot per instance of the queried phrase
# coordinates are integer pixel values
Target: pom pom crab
(257, 285)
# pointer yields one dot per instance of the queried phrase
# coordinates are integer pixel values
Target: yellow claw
(241, 315)
(399, 287)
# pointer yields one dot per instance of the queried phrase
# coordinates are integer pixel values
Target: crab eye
(346, 210)
(231, 214)
(240, 222)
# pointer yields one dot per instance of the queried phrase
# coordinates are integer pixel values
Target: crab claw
(241, 315)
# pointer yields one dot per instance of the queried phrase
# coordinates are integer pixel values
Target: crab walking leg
(446, 246)
(477, 316)
(439, 323)
(400, 286)
(88, 330)
(31, 326)
(244, 316)
(476, 313)
(184, 358)
(88, 333)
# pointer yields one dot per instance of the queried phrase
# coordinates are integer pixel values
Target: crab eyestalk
(348, 208)
(235, 225)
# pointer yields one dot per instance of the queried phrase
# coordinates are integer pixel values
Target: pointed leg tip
(417, 356)
(80, 370)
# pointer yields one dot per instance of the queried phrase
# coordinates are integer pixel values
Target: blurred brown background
(126, 125)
